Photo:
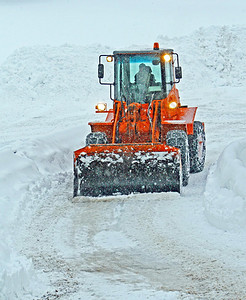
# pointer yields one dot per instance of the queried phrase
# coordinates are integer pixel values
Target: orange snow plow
(149, 142)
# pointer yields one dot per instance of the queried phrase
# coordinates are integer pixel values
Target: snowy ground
(149, 246)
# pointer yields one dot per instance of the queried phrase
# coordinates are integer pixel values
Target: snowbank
(19, 168)
(16, 274)
(208, 56)
(50, 83)
(15, 271)
(49, 73)
(225, 195)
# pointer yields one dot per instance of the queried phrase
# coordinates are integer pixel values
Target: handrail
(115, 123)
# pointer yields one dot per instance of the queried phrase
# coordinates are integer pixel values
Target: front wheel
(96, 138)
(179, 139)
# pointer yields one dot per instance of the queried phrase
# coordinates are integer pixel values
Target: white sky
(109, 22)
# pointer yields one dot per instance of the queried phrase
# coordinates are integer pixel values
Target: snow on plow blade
(123, 169)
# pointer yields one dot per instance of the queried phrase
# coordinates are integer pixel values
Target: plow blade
(123, 169)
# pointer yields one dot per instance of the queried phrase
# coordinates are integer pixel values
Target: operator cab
(142, 76)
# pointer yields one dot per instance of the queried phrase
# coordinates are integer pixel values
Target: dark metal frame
(111, 84)
(107, 83)
(177, 81)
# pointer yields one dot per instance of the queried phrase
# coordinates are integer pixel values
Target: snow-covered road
(139, 245)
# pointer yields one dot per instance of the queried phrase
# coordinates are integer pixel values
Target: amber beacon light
(156, 46)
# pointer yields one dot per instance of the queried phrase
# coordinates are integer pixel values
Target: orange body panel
(103, 127)
(144, 123)
(173, 96)
(184, 120)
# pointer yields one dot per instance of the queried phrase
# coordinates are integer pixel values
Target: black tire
(197, 145)
(96, 138)
(179, 139)
(75, 183)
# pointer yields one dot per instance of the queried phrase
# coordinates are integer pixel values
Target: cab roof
(161, 51)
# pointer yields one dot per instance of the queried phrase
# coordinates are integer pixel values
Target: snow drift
(225, 195)
(211, 56)
(16, 274)
(21, 167)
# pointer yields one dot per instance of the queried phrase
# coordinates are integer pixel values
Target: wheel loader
(149, 141)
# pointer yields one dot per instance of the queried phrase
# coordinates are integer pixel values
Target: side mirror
(178, 72)
(100, 71)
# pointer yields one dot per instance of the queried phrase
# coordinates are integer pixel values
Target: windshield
(139, 78)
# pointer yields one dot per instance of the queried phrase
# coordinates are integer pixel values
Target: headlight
(173, 105)
(167, 57)
(109, 58)
(101, 106)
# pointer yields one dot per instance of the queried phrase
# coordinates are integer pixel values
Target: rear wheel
(96, 138)
(179, 139)
(197, 145)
